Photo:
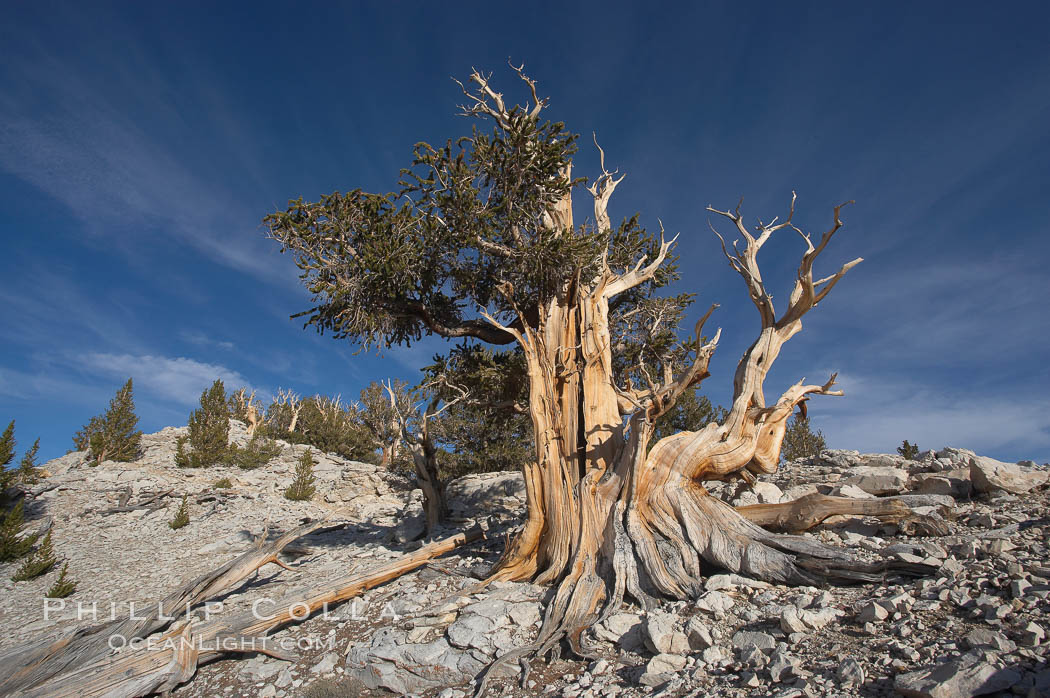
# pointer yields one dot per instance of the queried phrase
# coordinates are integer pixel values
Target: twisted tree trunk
(607, 516)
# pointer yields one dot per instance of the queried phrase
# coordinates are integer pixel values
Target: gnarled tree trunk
(607, 516)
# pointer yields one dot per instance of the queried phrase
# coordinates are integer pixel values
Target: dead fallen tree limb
(806, 512)
(174, 658)
(33, 666)
(148, 503)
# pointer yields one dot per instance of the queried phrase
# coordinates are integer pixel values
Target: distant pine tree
(28, 473)
(12, 545)
(909, 451)
(182, 516)
(113, 436)
(62, 587)
(210, 428)
(800, 441)
(302, 487)
(40, 562)
(7, 454)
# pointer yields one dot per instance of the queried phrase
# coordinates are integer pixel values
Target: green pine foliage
(691, 412)
(302, 487)
(182, 458)
(82, 439)
(259, 451)
(7, 454)
(7, 445)
(908, 450)
(13, 545)
(800, 441)
(114, 436)
(325, 423)
(63, 586)
(182, 516)
(223, 484)
(209, 428)
(28, 473)
(40, 562)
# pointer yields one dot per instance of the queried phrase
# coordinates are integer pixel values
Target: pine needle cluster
(13, 545)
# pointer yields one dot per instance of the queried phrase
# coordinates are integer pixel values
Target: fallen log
(806, 512)
(33, 666)
(174, 658)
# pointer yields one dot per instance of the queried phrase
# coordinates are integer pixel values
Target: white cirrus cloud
(178, 379)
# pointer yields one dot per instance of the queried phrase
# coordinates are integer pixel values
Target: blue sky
(141, 144)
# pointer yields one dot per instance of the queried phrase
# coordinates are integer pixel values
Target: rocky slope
(975, 627)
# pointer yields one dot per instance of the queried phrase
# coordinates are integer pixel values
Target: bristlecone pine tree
(13, 545)
(28, 473)
(40, 562)
(112, 436)
(7, 454)
(182, 515)
(908, 450)
(487, 223)
(63, 586)
(302, 487)
(209, 429)
(800, 441)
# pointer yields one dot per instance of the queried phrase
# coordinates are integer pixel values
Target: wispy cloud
(202, 340)
(178, 379)
(76, 138)
(877, 414)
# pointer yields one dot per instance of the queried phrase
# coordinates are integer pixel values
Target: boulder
(878, 480)
(990, 475)
(962, 678)
(662, 635)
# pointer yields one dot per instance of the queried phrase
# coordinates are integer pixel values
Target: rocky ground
(977, 626)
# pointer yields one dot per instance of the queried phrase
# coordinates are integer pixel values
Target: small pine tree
(113, 435)
(909, 451)
(40, 562)
(259, 451)
(7, 454)
(800, 441)
(12, 545)
(302, 487)
(182, 516)
(63, 586)
(28, 473)
(223, 484)
(210, 427)
(182, 459)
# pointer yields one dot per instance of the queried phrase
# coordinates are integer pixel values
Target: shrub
(112, 436)
(302, 487)
(322, 422)
(800, 441)
(182, 459)
(40, 562)
(12, 544)
(223, 484)
(209, 428)
(63, 586)
(909, 451)
(182, 516)
(258, 452)
(28, 473)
